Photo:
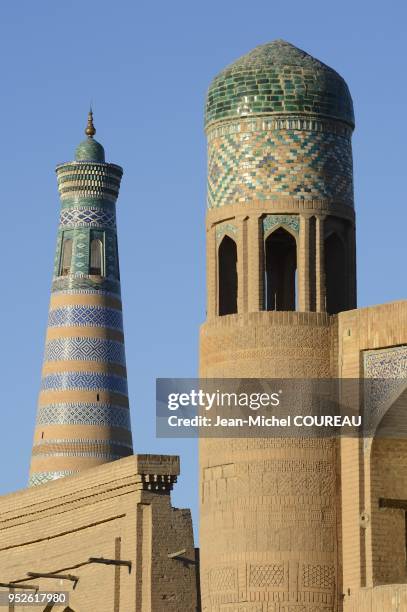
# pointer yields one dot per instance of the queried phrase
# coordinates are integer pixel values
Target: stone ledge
(145, 472)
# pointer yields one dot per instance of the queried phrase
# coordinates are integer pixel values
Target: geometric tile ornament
(86, 217)
(84, 380)
(84, 414)
(266, 165)
(85, 349)
(224, 228)
(385, 374)
(41, 477)
(88, 316)
(291, 221)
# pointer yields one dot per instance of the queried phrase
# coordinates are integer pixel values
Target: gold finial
(90, 128)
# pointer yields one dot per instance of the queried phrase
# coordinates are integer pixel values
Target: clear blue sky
(146, 67)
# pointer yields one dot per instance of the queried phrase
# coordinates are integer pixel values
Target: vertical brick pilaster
(255, 263)
(320, 264)
(303, 265)
(211, 273)
(241, 265)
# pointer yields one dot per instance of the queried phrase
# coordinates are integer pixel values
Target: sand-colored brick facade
(119, 511)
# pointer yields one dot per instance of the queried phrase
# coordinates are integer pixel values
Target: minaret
(83, 411)
(280, 266)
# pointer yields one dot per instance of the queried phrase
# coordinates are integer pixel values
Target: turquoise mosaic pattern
(265, 165)
(85, 349)
(84, 284)
(84, 381)
(386, 374)
(290, 221)
(88, 316)
(87, 217)
(41, 477)
(84, 414)
(278, 78)
(225, 228)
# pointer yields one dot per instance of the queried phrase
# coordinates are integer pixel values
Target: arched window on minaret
(280, 250)
(335, 274)
(66, 257)
(96, 257)
(227, 258)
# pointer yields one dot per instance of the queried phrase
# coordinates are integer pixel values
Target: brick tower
(83, 411)
(280, 265)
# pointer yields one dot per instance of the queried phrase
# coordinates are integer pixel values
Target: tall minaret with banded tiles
(83, 411)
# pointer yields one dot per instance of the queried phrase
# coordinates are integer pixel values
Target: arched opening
(227, 256)
(280, 270)
(96, 257)
(66, 257)
(335, 274)
(388, 478)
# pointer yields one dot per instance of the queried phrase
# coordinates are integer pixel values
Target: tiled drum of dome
(266, 165)
(83, 413)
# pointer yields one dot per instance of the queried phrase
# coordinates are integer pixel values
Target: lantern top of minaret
(90, 149)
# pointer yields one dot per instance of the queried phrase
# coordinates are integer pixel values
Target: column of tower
(83, 410)
(280, 264)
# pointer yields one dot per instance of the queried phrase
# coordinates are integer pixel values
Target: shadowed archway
(280, 250)
(227, 257)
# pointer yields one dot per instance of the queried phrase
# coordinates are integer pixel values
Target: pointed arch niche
(280, 269)
(227, 276)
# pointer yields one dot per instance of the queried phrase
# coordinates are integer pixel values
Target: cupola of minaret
(83, 410)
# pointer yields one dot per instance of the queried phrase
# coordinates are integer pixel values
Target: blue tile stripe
(97, 455)
(91, 381)
(87, 217)
(39, 478)
(85, 349)
(84, 316)
(84, 414)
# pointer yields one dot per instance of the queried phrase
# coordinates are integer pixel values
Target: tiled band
(85, 349)
(88, 316)
(89, 381)
(270, 164)
(77, 413)
(38, 478)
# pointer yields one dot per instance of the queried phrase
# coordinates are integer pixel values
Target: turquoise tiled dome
(90, 150)
(278, 78)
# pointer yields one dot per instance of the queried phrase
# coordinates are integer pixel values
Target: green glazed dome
(90, 150)
(277, 78)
